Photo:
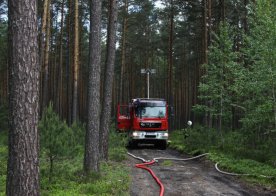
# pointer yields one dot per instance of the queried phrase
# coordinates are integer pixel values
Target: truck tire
(132, 144)
(162, 145)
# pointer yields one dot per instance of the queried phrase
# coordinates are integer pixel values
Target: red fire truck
(145, 120)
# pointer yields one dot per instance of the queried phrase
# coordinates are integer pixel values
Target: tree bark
(205, 35)
(205, 49)
(45, 69)
(123, 65)
(60, 78)
(76, 63)
(209, 24)
(170, 86)
(46, 7)
(91, 157)
(23, 168)
(68, 97)
(170, 54)
(222, 5)
(54, 67)
(108, 79)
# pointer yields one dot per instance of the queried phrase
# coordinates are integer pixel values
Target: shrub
(57, 139)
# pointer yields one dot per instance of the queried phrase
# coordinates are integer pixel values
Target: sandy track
(189, 178)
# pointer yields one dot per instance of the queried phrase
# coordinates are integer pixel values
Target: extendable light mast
(148, 72)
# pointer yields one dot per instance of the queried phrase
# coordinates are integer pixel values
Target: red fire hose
(146, 162)
(144, 166)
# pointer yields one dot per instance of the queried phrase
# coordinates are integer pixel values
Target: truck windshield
(147, 112)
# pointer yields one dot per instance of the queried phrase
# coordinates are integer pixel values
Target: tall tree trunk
(80, 110)
(123, 65)
(205, 50)
(209, 23)
(91, 157)
(68, 106)
(222, 5)
(60, 78)
(108, 78)
(205, 35)
(55, 68)
(170, 53)
(23, 168)
(170, 60)
(46, 7)
(45, 69)
(76, 63)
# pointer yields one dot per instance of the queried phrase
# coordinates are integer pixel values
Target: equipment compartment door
(123, 118)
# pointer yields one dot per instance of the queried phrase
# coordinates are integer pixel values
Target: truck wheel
(162, 145)
(132, 144)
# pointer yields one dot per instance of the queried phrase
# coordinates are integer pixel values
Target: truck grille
(150, 136)
(150, 125)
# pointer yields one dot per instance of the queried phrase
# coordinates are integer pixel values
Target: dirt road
(189, 178)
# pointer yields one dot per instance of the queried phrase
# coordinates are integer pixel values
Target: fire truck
(145, 120)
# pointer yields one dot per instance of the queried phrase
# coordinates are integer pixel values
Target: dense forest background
(214, 60)
(215, 63)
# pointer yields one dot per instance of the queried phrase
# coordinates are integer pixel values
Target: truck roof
(154, 101)
(148, 99)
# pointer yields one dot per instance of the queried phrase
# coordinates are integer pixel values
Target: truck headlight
(135, 134)
(166, 135)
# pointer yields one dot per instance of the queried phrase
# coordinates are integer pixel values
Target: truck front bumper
(149, 135)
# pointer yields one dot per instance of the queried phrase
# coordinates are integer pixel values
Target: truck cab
(145, 121)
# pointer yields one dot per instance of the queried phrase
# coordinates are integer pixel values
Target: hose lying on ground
(147, 162)
(144, 166)
(136, 157)
(235, 174)
(177, 159)
(216, 165)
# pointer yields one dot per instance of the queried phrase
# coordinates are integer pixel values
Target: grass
(167, 163)
(177, 140)
(3, 161)
(68, 178)
(230, 162)
(256, 169)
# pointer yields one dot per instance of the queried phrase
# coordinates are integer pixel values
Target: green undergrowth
(177, 140)
(259, 173)
(117, 143)
(68, 177)
(3, 161)
(232, 156)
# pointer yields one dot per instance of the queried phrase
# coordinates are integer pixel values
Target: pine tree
(260, 74)
(23, 162)
(216, 88)
(76, 63)
(108, 79)
(92, 156)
